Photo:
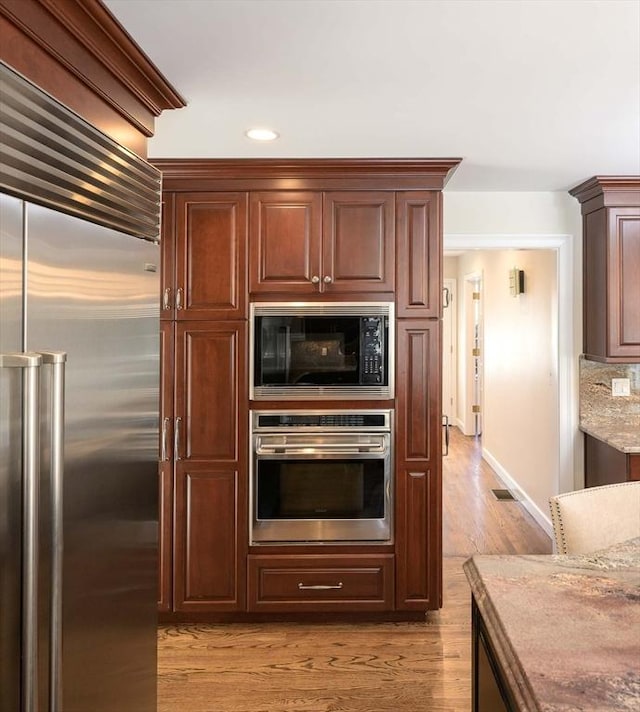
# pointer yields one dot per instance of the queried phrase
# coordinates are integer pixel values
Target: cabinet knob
(315, 279)
(327, 279)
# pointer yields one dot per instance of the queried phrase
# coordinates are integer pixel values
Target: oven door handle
(311, 448)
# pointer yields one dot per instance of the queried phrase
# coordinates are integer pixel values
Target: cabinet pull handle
(179, 298)
(319, 587)
(315, 279)
(327, 279)
(176, 439)
(166, 298)
(164, 455)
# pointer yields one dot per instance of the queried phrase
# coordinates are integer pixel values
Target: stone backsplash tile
(601, 413)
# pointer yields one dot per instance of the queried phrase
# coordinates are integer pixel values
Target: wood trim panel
(418, 466)
(79, 53)
(165, 531)
(188, 174)
(167, 264)
(595, 292)
(418, 254)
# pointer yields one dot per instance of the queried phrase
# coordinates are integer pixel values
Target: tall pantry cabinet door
(211, 493)
(165, 467)
(285, 232)
(419, 249)
(358, 242)
(211, 254)
(418, 466)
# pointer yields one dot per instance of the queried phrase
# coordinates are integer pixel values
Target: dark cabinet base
(604, 465)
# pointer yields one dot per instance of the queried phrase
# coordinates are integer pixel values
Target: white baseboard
(541, 518)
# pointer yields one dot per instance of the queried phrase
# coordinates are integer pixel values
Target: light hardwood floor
(363, 667)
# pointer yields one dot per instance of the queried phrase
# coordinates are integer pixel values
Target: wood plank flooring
(363, 667)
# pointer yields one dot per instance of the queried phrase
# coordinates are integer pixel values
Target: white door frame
(449, 351)
(567, 421)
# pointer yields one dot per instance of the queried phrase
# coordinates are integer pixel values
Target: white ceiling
(532, 94)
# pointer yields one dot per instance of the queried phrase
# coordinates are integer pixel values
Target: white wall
(520, 373)
(532, 219)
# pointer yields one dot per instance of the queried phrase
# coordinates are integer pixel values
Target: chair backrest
(595, 518)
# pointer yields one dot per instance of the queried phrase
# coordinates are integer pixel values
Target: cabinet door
(210, 544)
(165, 466)
(211, 390)
(418, 465)
(167, 265)
(624, 283)
(358, 242)
(285, 242)
(418, 257)
(211, 237)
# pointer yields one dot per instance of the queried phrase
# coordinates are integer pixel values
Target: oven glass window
(320, 489)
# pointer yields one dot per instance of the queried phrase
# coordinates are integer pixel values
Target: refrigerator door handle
(30, 364)
(57, 360)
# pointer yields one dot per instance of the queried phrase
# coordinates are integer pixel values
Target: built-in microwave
(321, 350)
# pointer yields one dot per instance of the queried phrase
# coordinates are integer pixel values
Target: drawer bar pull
(319, 587)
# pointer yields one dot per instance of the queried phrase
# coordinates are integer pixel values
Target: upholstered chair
(595, 518)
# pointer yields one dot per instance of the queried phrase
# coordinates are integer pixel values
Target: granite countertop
(566, 629)
(622, 436)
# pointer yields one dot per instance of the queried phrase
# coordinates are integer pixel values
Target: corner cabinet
(611, 259)
(237, 231)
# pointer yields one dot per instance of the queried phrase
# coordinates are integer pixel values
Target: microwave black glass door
(320, 489)
(319, 351)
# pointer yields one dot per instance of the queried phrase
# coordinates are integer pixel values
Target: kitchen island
(557, 633)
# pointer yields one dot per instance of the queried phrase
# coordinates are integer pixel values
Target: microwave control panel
(371, 343)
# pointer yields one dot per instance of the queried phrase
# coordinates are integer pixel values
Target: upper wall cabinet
(321, 243)
(611, 264)
(204, 256)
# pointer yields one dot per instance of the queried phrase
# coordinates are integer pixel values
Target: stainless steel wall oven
(321, 477)
(321, 350)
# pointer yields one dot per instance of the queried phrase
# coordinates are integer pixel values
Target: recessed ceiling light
(262, 134)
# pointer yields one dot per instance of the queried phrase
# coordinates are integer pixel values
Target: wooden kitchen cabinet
(316, 582)
(606, 465)
(210, 466)
(331, 243)
(210, 538)
(418, 466)
(286, 230)
(204, 256)
(611, 259)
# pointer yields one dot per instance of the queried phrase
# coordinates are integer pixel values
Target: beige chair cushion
(595, 518)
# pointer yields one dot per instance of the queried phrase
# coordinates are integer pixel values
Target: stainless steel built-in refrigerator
(78, 420)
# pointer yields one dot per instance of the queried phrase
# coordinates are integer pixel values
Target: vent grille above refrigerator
(53, 157)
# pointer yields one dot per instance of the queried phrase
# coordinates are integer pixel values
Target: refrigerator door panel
(10, 452)
(92, 293)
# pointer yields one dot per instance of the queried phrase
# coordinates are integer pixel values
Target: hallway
(357, 667)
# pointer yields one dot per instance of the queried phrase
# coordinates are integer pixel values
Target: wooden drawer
(320, 583)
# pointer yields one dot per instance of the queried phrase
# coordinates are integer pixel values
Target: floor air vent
(503, 495)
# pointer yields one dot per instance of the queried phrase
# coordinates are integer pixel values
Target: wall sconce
(516, 281)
